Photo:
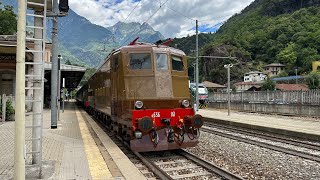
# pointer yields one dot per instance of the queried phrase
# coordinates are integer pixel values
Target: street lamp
(194, 72)
(296, 69)
(228, 66)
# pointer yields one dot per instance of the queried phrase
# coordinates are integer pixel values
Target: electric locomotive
(141, 92)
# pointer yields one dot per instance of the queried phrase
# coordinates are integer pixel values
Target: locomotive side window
(162, 61)
(177, 63)
(115, 62)
(140, 61)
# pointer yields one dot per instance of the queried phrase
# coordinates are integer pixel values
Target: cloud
(174, 19)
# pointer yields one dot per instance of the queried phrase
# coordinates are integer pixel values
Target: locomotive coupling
(165, 122)
(170, 135)
(193, 121)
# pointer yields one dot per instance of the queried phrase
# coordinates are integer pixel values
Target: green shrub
(9, 109)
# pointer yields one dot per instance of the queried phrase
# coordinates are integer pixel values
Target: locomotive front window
(177, 63)
(162, 62)
(140, 61)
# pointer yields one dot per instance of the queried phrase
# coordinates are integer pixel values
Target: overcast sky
(174, 19)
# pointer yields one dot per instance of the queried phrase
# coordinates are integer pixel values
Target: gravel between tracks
(280, 144)
(253, 162)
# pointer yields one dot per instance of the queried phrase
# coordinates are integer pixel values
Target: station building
(72, 74)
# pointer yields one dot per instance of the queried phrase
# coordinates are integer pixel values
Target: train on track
(141, 92)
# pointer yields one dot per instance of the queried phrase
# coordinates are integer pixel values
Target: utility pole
(59, 85)
(197, 68)
(54, 68)
(296, 69)
(194, 72)
(37, 93)
(228, 66)
(63, 94)
(19, 137)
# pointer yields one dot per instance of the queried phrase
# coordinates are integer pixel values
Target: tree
(282, 74)
(268, 84)
(313, 81)
(288, 55)
(8, 21)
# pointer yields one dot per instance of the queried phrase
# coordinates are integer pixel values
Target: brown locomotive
(141, 92)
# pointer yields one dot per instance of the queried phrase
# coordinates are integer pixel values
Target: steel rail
(153, 167)
(293, 152)
(267, 136)
(209, 166)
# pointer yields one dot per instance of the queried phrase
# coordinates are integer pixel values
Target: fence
(311, 97)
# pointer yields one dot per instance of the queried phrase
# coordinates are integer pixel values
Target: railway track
(179, 164)
(251, 138)
(175, 164)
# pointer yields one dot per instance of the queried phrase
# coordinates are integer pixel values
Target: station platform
(71, 151)
(300, 127)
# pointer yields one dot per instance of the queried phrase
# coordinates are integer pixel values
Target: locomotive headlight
(138, 104)
(185, 103)
(138, 134)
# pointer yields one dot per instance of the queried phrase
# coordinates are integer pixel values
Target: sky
(173, 18)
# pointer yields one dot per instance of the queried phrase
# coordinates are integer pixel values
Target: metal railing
(311, 97)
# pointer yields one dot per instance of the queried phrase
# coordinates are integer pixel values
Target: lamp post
(296, 69)
(228, 66)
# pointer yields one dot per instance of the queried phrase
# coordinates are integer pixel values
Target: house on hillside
(274, 69)
(292, 87)
(214, 87)
(254, 76)
(248, 86)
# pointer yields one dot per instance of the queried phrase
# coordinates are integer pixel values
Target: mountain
(126, 32)
(267, 31)
(84, 43)
(81, 39)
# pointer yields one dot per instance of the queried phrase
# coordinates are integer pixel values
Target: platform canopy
(72, 74)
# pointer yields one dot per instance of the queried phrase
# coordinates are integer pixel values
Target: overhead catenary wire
(144, 23)
(135, 7)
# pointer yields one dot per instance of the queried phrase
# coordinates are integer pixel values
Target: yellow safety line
(98, 167)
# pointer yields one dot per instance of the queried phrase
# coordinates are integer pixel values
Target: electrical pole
(296, 75)
(228, 90)
(228, 66)
(37, 93)
(19, 137)
(197, 68)
(194, 72)
(63, 94)
(54, 68)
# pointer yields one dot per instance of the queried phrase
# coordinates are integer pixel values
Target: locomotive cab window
(177, 63)
(115, 62)
(140, 61)
(162, 61)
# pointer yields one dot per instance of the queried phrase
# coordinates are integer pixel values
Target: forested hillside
(267, 31)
